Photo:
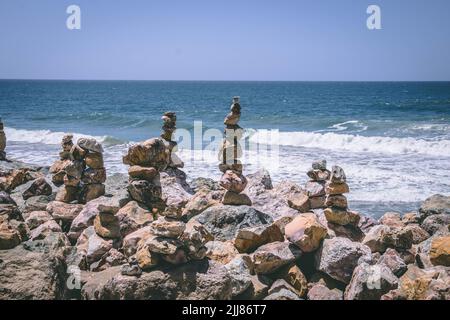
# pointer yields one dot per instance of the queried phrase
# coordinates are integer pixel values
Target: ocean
(391, 138)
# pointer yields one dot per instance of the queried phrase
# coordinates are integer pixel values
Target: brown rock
(69, 181)
(170, 228)
(90, 192)
(221, 251)
(142, 173)
(315, 189)
(317, 202)
(392, 219)
(338, 201)
(58, 178)
(233, 181)
(77, 153)
(67, 194)
(39, 187)
(299, 201)
(94, 176)
(440, 251)
(146, 260)
(248, 239)
(321, 292)
(63, 212)
(9, 237)
(202, 200)
(151, 153)
(419, 234)
(306, 232)
(236, 199)
(59, 165)
(145, 192)
(341, 217)
(420, 284)
(132, 217)
(295, 277)
(333, 188)
(318, 175)
(107, 226)
(94, 160)
(272, 256)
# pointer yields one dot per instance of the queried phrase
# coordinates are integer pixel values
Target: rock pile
(169, 127)
(230, 151)
(80, 170)
(313, 195)
(147, 160)
(164, 241)
(337, 209)
(2, 142)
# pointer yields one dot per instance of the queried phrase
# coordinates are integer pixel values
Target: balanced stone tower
(146, 160)
(232, 179)
(80, 170)
(337, 208)
(2, 142)
(169, 127)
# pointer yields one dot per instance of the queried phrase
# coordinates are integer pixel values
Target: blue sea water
(392, 138)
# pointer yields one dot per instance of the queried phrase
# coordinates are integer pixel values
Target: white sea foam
(50, 137)
(390, 173)
(357, 143)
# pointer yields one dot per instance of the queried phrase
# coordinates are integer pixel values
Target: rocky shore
(73, 232)
(114, 247)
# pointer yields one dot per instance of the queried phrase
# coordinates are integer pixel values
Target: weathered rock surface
(306, 232)
(272, 256)
(221, 251)
(370, 282)
(133, 216)
(196, 280)
(34, 272)
(436, 204)
(223, 222)
(420, 284)
(248, 239)
(321, 292)
(339, 256)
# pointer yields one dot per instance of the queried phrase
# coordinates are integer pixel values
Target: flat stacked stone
(337, 208)
(315, 187)
(147, 159)
(169, 127)
(2, 142)
(80, 170)
(230, 152)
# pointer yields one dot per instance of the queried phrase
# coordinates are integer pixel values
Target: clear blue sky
(225, 40)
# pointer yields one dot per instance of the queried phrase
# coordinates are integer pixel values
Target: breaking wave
(354, 143)
(53, 138)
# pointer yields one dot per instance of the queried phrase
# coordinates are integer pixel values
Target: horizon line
(175, 80)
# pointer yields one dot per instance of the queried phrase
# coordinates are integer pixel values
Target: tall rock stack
(337, 208)
(94, 174)
(315, 187)
(146, 161)
(232, 179)
(80, 171)
(169, 127)
(2, 142)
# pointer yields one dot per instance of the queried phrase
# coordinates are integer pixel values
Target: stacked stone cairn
(313, 196)
(80, 171)
(233, 181)
(2, 142)
(146, 160)
(337, 208)
(165, 240)
(169, 127)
